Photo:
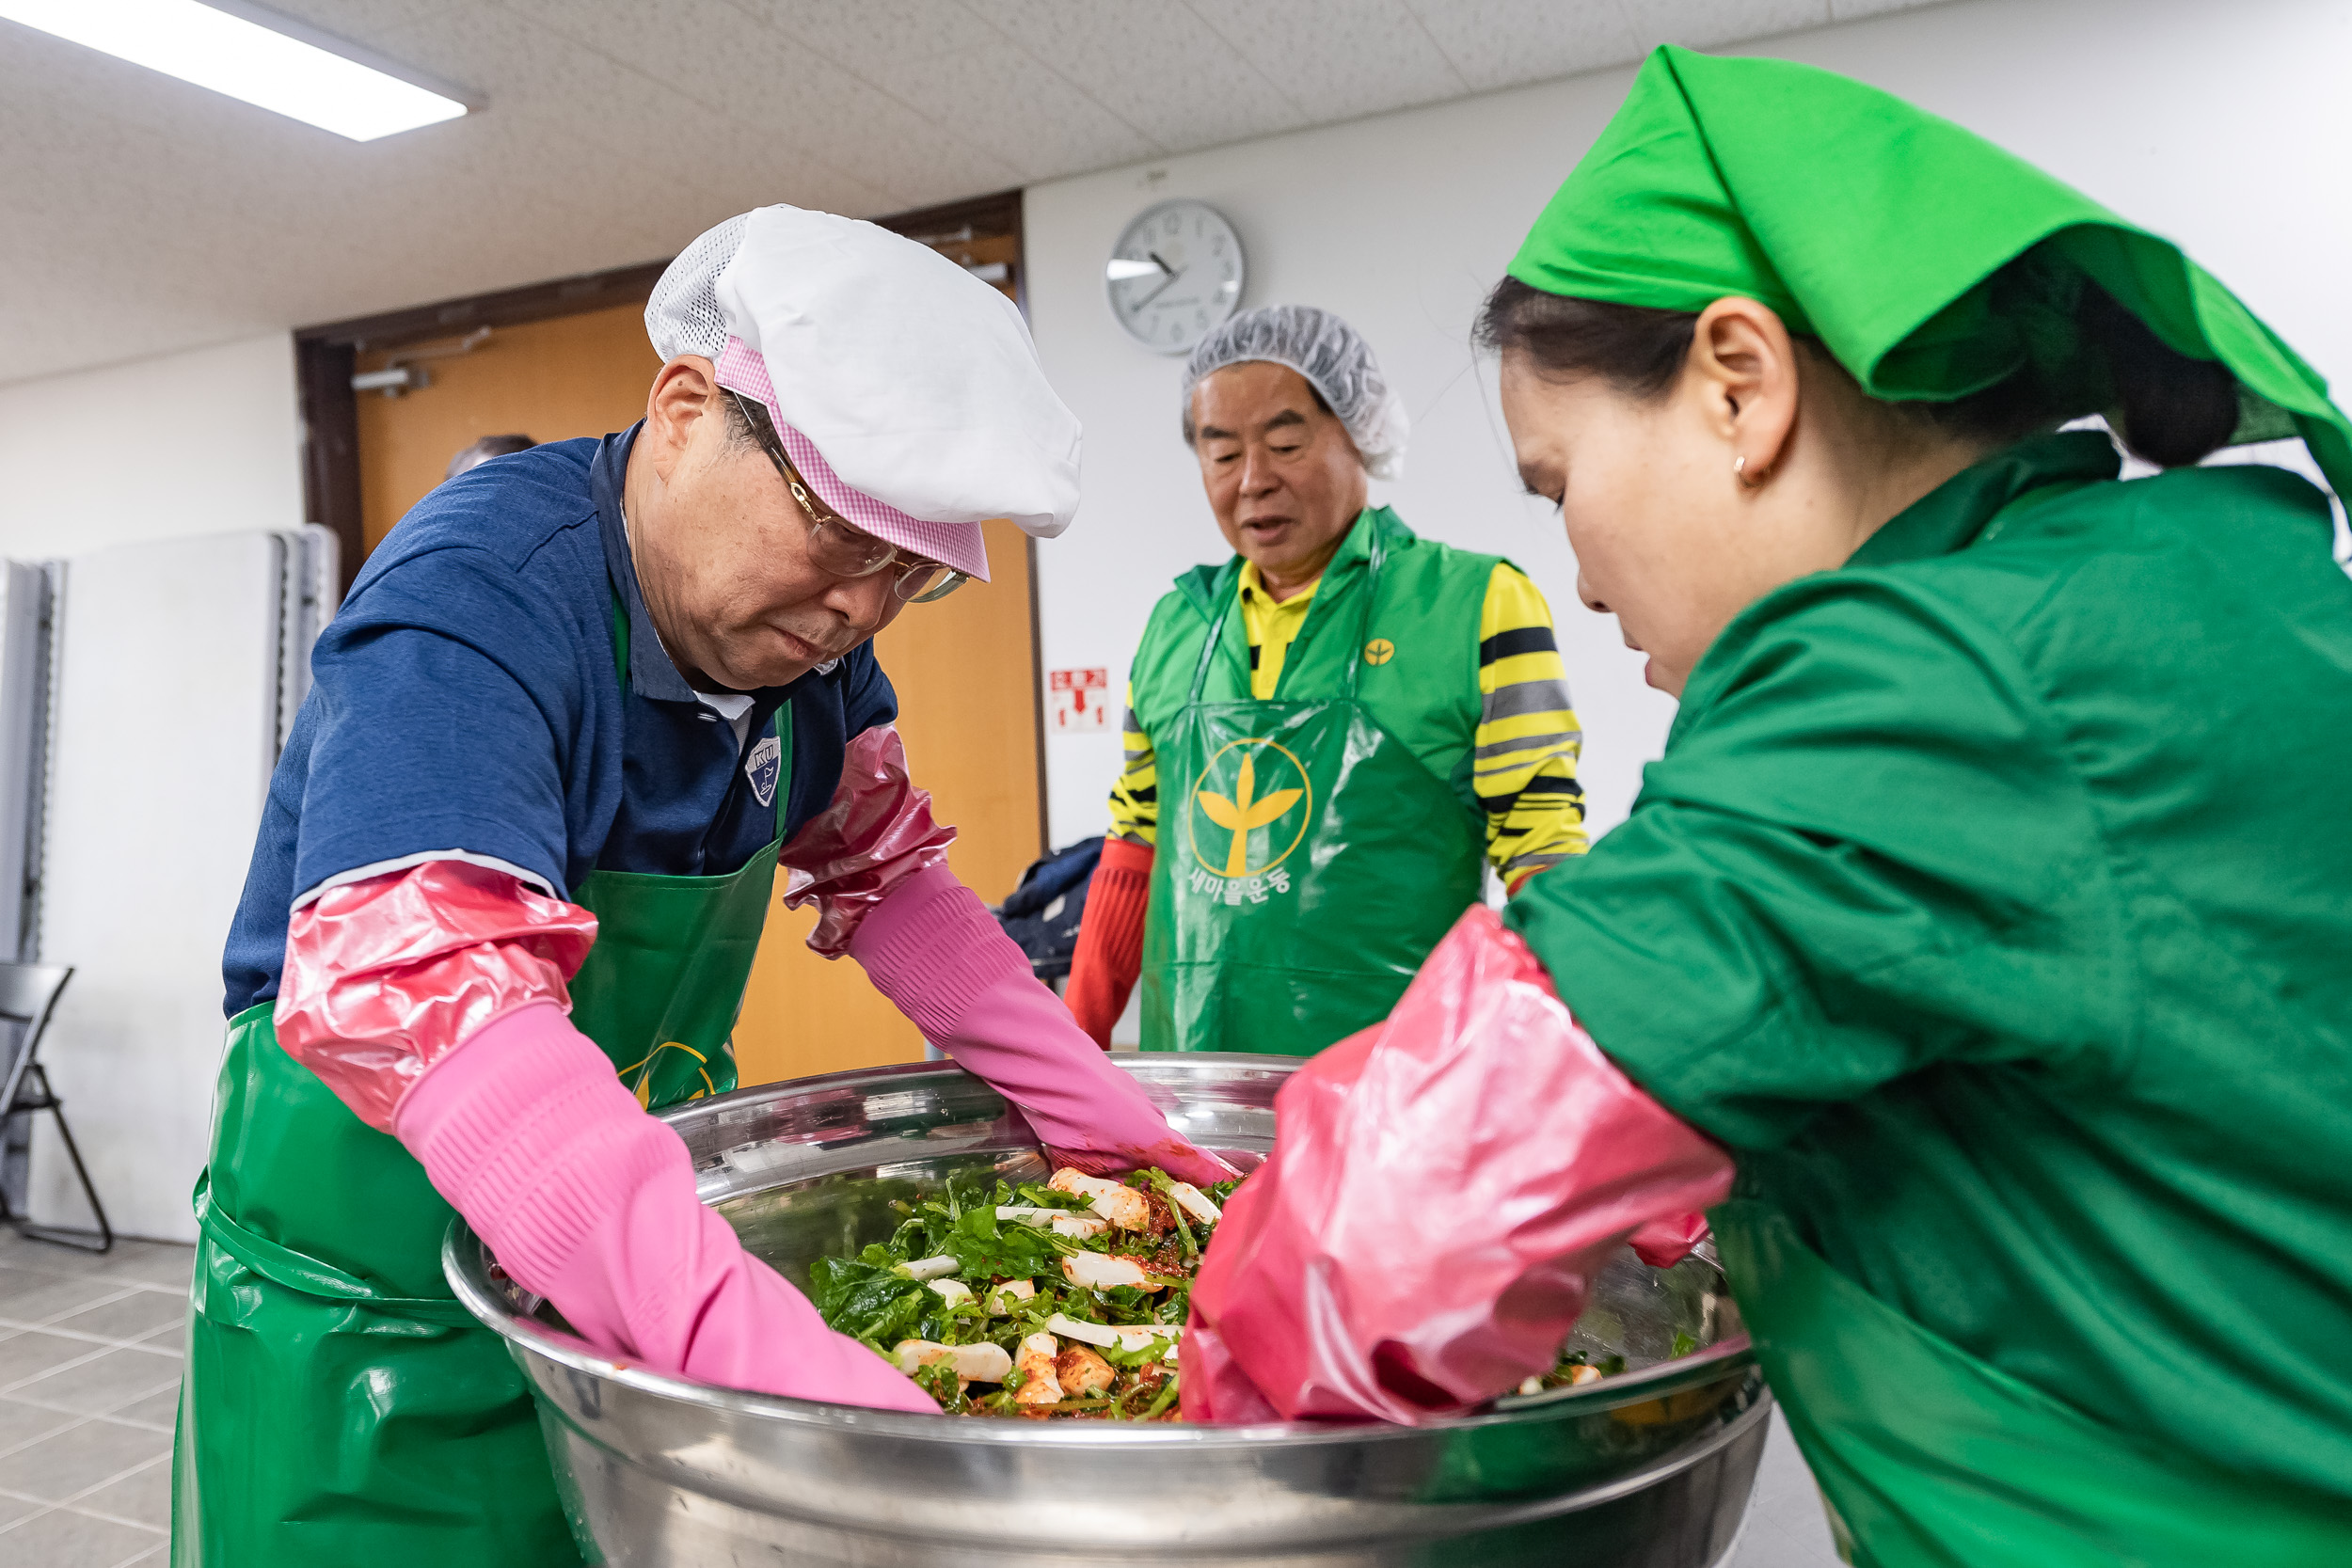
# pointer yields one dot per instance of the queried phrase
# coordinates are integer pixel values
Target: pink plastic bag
(1443, 1189)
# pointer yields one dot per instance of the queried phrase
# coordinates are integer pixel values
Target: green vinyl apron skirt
(339, 1405)
(1308, 865)
(1930, 1458)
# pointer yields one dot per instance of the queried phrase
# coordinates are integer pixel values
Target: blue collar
(650, 671)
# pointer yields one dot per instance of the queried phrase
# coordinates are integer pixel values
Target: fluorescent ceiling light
(244, 60)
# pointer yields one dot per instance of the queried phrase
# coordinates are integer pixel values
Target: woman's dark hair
(2170, 409)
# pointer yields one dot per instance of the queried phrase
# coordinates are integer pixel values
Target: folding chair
(28, 994)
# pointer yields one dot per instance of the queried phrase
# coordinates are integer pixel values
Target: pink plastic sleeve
(936, 952)
(1662, 1244)
(875, 833)
(1443, 1189)
(383, 978)
(589, 1202)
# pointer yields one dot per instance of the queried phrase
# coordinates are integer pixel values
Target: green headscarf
(1930, 263)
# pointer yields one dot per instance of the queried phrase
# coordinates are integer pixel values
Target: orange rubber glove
(1103, 970)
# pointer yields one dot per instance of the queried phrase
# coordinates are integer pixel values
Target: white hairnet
(914, 382)
(1336, 361)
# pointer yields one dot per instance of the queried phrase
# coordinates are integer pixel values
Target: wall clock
(1174, 276)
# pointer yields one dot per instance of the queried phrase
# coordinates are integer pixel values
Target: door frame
(326, 354)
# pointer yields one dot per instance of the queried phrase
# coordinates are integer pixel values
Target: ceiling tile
(1705, 24)
(1501, 43)
(1853, 10)
(872, 37)
(1158, 67)
(805, 109)
(361, 21)
(1337, 59)
(145, 215)
(1000, 100)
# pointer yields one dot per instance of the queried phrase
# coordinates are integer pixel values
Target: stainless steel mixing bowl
(1650, 1469)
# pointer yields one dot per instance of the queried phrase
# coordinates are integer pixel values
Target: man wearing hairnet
(580, 704)
(1352, 723)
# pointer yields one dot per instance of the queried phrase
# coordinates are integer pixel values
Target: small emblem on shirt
(1379, 651)
(761, 768)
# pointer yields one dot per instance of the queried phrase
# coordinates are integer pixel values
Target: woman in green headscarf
(1991, 905)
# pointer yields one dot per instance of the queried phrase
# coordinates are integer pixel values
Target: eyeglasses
(838, 546)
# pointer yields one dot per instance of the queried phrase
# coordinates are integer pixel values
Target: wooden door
(965, 672)
(965, 669)
(549, 380)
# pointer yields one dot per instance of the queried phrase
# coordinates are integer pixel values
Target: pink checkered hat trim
(957, 544)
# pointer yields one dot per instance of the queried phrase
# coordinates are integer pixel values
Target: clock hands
(1123, 270)
(1165, 284)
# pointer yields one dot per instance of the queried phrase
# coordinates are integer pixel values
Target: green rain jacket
(1994, 903)
(1992, 900)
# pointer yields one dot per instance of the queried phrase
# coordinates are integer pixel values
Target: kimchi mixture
(1060, 1300)
(1057, 1301)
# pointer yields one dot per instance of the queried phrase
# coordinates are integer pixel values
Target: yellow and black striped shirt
(1524, 765)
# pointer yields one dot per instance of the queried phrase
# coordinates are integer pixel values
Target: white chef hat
(905, 391)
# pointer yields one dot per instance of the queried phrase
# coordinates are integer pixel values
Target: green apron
(1930, 1458)
(339, 1405)
(1308, 865)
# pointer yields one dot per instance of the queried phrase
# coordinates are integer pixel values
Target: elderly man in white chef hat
(515, 863)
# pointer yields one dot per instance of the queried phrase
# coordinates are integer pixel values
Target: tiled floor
(89, 1375)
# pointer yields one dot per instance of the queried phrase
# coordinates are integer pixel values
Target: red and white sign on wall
(1077, 700)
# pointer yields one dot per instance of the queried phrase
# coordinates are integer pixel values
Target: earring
(1739, 473)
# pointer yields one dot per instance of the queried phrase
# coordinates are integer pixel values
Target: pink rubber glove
(589, 1202)
(875, 833)
(1443, 1188)
(935, 951)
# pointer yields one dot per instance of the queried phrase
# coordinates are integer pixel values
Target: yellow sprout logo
(644, 1068)
(1246, 810)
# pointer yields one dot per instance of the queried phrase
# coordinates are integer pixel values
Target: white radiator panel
(167, 713)
(24, 709)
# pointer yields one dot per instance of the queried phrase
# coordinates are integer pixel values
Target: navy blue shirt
(467, 697)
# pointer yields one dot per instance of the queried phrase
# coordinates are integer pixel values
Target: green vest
(1313, 847)
(1426, 694)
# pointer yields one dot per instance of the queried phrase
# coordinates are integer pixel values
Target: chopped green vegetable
(1032, 1196)
(1166, 1189)
(867, 1301)
(1167, 1397)
(866, 1297)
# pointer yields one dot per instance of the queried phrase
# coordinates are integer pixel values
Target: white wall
(2223, 126)
(204, 442)
(208, 441)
